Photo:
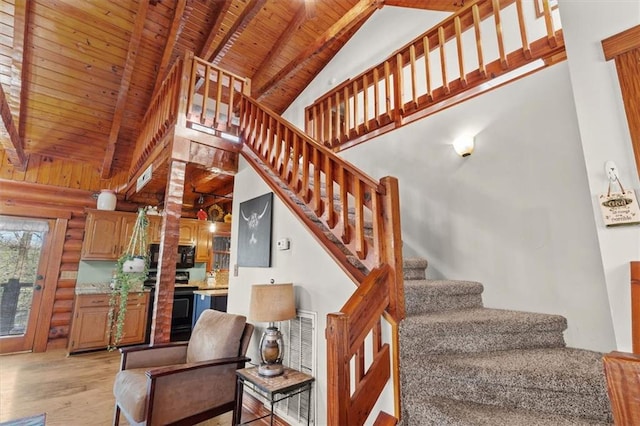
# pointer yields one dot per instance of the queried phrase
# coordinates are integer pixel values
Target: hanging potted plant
(132, 269)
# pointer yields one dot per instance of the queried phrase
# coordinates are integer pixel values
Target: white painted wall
(605, 136)
(517, 215)
(320, 285)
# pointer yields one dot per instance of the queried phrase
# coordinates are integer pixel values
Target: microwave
(186, 256)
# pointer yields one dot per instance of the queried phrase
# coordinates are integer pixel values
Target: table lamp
(271, 303)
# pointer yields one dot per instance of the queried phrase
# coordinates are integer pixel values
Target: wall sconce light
(271, 303)
(463, 145)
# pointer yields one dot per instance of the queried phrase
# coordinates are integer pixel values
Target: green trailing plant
(132, 269)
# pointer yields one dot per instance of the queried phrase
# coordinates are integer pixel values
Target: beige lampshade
(272, 302)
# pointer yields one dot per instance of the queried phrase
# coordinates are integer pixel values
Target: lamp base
(270, 370)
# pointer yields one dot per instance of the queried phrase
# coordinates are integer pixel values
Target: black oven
(186, 256)
(183, 305)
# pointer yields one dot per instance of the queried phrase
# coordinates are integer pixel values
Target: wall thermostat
(283, 244)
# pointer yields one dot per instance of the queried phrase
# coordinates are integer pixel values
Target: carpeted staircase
(464, 364)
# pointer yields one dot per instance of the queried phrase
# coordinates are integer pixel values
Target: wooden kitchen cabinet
(107, 234)
(188, 232)
(203, 246)
(90, 324)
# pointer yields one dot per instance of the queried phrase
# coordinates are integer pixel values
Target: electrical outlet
(235, 269)
(283, 244)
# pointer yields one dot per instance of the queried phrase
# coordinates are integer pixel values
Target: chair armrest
(173, 369)
(146, 356)
(205, 385)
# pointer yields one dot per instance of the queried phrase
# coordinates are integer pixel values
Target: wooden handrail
(159, 118)
(346, 333)
(635, 305)
(415, 80)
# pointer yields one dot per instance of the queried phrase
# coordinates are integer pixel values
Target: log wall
(68, 186)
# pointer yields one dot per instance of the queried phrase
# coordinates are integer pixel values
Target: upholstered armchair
(186, 382)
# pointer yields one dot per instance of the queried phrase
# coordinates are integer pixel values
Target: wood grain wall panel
(31, 196)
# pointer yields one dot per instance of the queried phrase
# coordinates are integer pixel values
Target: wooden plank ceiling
(77, 76)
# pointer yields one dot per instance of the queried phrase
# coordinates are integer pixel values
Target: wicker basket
(221, 279)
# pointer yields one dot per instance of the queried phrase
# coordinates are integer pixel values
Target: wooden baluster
(344, 202)
(376, 97)
(317, 122)
(526, 50)
(286, 155)
(427, 66)
(232, 82)
(328, 127)
(205, 98)
(365, 91)
(387, 90)
(414, 83)
(216, 120)
(337, 134)
(496, 14)
(328, 173)
(476, 24)
(356, 124)
(359, 365)
(277, 159)
(317, 185)
(192, 88)
(358, 194)
(294, 180)
(548, 21)
(347, 114)
(304, 188)
(443, 62)
(398, 90)
(463, 75)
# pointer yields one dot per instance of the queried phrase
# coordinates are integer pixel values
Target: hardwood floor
(72, 390)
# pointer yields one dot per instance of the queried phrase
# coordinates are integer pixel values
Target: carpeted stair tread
(439, 411)
(480, 320)
(560, 381)
(558, 369)
(445, 286)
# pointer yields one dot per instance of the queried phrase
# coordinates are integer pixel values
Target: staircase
(464, 364)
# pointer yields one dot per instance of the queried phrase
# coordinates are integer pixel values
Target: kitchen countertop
(97, 288)
(212, 291)
(102, 288)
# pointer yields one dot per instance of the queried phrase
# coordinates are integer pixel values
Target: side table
(274, 389)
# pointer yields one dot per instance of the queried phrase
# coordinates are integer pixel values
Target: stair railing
(435, 67)
(196, 99)
(332, 188)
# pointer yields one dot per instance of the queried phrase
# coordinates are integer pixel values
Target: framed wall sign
(254, 232)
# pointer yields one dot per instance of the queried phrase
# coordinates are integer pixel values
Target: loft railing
(195, 99)
(444, 65)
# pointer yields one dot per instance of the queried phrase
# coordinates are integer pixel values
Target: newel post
(338, 372)
(393, 246)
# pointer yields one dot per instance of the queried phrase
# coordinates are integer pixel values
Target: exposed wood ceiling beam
(236, 30)
(208, 48)
(201, 177)
(360, 11)
(177, 24)
(442, 5)
(9, 139)
(132, 53)
(298, 19)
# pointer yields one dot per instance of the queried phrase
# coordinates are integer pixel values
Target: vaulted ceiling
(77, 75)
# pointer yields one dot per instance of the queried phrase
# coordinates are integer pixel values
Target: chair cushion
(130, 390)
(215, 335)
